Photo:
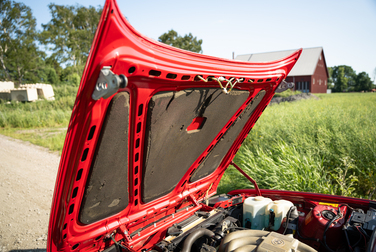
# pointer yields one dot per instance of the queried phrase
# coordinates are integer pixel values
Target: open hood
(152, 131)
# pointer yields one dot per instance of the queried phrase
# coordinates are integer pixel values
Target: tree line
(57, 53)
(344, 79)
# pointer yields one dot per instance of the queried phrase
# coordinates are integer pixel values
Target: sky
(345, 29)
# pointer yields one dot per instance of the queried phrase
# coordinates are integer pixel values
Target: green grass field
(325, 146)
(41, 122)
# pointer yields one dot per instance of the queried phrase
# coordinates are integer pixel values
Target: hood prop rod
(258, 192)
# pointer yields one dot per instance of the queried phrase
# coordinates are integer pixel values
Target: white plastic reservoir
(254, 212)
(280, 209)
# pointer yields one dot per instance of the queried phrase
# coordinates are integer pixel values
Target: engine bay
(257, 223)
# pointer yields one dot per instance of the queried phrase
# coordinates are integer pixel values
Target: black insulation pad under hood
(106, 191)
(170, 150)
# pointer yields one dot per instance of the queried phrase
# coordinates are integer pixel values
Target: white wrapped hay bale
(24, 94)
(6, 85)
(45, 91)
(5, 95)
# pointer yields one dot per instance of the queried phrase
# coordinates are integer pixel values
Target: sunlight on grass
(305, 146)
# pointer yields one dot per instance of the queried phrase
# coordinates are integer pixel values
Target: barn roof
(306, 64)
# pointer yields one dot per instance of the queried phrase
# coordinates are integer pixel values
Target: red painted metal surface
(150, 67)
(315, 222)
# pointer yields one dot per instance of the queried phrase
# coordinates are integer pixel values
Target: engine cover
(261, 241)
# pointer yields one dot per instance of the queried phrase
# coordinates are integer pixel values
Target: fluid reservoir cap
(259, 198)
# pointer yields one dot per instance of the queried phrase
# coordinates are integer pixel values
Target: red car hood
(157, 142)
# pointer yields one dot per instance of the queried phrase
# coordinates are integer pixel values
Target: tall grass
(40, 113)
(326, 146)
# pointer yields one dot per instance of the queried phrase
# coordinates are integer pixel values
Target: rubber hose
(194, 236)
(372, 242)
(327, 227)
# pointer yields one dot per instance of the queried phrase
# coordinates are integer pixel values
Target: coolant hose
(194, 236)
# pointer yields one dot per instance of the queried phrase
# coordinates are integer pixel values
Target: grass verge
(51, 138)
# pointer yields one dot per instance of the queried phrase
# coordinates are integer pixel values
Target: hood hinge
(108, 83)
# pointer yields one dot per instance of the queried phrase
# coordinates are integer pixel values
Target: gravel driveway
(27, 180)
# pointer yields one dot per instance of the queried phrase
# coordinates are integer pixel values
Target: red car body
(129, 170)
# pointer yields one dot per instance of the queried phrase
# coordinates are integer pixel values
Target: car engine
(261, 224)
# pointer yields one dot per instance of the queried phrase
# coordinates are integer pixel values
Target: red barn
(309, 74)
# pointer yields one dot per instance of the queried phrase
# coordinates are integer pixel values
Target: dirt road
(27, 180)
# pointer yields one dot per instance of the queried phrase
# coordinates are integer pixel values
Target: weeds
(280, 167)
(344, 181)
(336, 136)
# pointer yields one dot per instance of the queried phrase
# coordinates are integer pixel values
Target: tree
(188, 42)
(52, 77)
(330, 80)
(20, 57)
(343, 78)
(70, 32)
(341, 83)
(363, 82)
(53, 63)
